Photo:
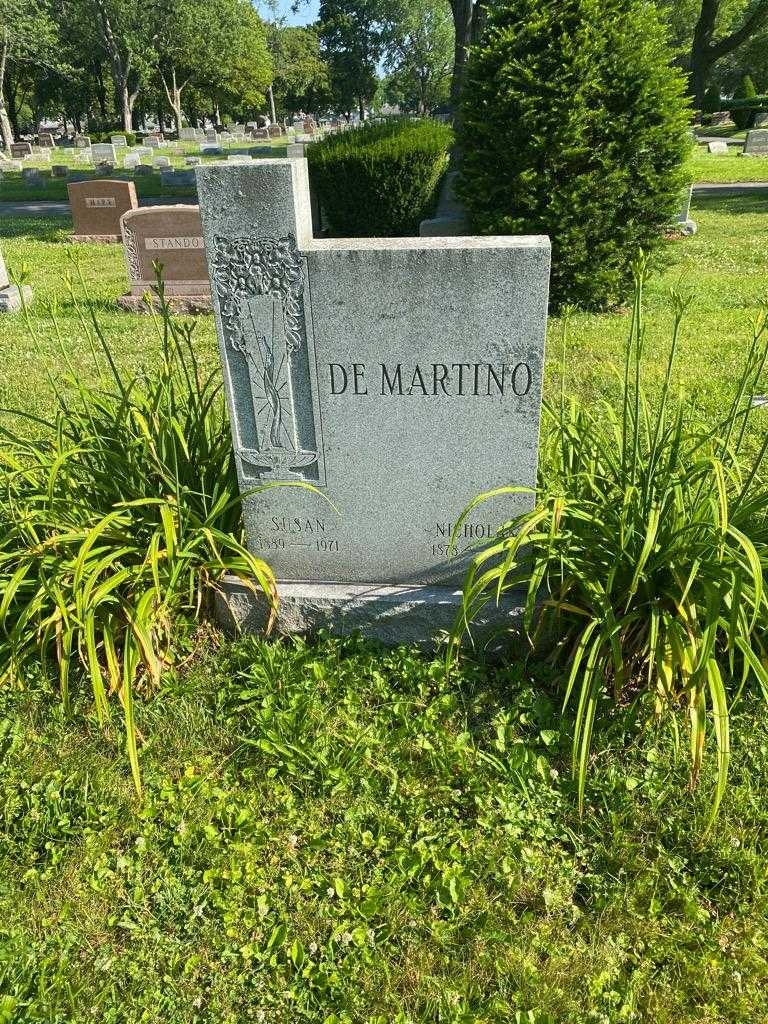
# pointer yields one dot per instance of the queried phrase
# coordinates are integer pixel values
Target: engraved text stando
(401, 377)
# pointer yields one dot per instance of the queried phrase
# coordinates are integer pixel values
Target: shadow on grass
(51, 228)
(744, 205)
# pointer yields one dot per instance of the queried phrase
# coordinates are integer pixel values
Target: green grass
(332, 833)
(723, 131)
(14, 189)
(709, 167)
(339, 834)
(724, 265)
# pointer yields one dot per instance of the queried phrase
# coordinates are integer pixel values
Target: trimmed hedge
(575, 125)
(380, 180)
(742, 117)
(130, 137)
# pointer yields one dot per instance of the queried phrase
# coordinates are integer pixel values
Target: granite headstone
(172, 236)
(97, 207)
(756, 143)
(401, 377)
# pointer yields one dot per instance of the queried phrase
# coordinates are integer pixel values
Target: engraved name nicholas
(437, 379)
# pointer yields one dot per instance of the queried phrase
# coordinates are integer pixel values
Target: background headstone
(97, 207)
(21, 149)
(119, 141)
(46, 139)
(161, 161)
(718, 147)
(59, 171)
(761, 120)
(142, 169)
(10, 299)
(401, 376)
(187, 134)
(103, 152)
(82, 142)
(171, 235)
(756, 143)
(31, 176)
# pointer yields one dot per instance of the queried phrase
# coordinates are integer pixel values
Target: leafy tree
(301, 76)
(419, 51)
(122, 27)
(706, 50)
(352, 43)
(219, 45)
(574, 125)
(28, 40)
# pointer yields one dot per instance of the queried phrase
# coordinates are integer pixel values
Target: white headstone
(718, 147)
(103, 152)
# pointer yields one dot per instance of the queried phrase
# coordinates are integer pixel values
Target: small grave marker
(46, 139)
(21, 150)
(719, 147)
(10, 299)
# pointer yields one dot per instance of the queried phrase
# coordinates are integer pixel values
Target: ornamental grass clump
(644, 556)
(117, 514)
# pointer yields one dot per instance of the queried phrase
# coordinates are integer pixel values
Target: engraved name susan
(452, 380)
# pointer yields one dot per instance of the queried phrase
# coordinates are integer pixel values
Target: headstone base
(10, 298)
(185, 305)
(95, 238)
(393, 615)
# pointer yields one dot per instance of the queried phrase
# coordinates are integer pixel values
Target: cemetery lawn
(333, 833)
(709, 167)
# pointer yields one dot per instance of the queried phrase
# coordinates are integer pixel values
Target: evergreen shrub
(380, 180)
(574, 124)
(743, 115)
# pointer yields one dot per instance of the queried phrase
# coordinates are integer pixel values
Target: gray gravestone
(187, 134)
(103, 153)
(119, 141)
(761, 120)
(683, 222)
(10, 299)
(756, 143)
(718, 147)
(59, 171)
(401, 377)
(21, 149)
(192, 161)
(161, 161)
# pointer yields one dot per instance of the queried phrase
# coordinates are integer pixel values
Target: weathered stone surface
(391, 614)
(173, 236)
(192, 161)
(161, 161)
(21, 149)
(142, 169)
(46, 139)
(131, 160)
(296, 150)
(188, 134)
(82, 142)
(10, 298)
(683, 222)
(756, 143)
(119, 141)
(718, 147)
(400, 377)
(97, 207)
(761, 120)
(59, 171)
(103, 152)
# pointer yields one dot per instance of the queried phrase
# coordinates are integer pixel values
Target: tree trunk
(173, 92)
(705, 52)
(272, 105)
(5, 125)
(361, 108)
(469, 21)
(120, 63)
